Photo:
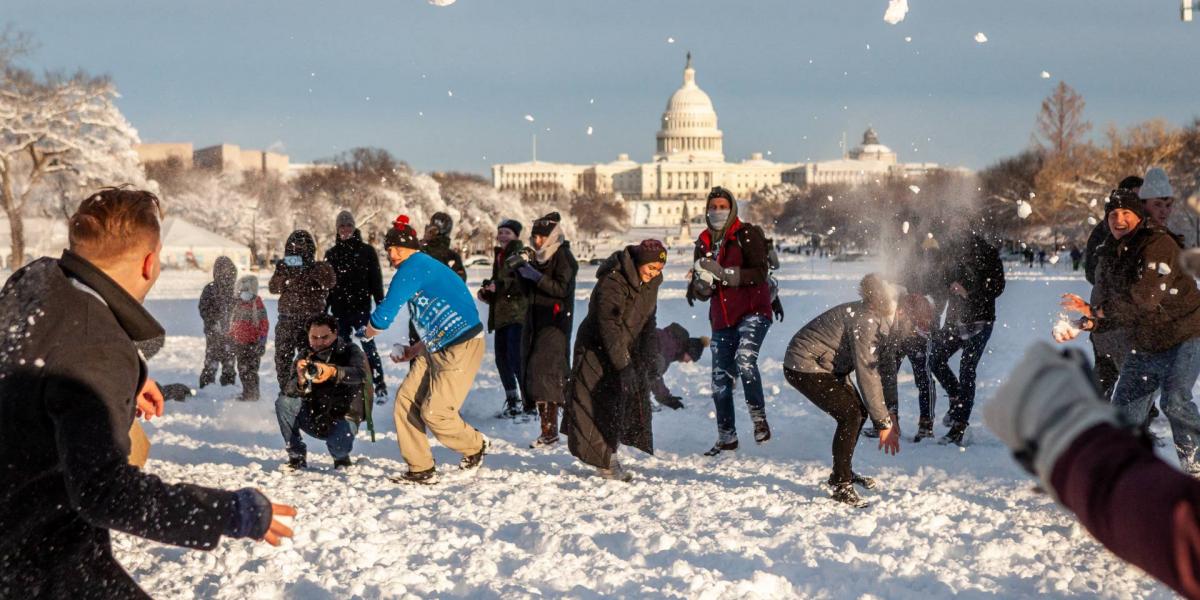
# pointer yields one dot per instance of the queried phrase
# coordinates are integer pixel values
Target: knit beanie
(1156, 185)
(1131, 183)
(512, 225)
(443, 222)
(545, 225)
(345, 218)
(1126, 199)
(696, 346)
(649, 251)
(402, 234)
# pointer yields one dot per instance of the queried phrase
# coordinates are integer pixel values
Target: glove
(672, 402)
(700, 289)
(777, 308)
(528, 272)
(1048, 400)
(707, 268)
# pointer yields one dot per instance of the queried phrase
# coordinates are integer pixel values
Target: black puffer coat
(974, 264)
(606, 407)
(359, 278)
(546, 336)
(302, 290)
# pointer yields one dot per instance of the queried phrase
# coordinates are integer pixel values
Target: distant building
(689, 159)
(222, 157)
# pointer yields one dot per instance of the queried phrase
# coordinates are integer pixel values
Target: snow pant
(1175, 371)
(508, 360)
(248, 361)
(430, 398)
(839, 398)
(916, 350)
(293, 420)
(735, 349)
(218, 356)
(972, 339)
(291, 336)
(347, 325)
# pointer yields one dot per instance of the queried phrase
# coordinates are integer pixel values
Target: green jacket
(508, 304)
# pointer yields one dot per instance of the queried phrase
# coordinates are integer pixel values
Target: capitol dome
(689, 125)
(871, 149)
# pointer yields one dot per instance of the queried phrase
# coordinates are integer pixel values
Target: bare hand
(1074, 303)
(324, 372)
(278, 530)
(413, 351)
(889, 440)
(957, 289)
(301, 365)
(150, 400)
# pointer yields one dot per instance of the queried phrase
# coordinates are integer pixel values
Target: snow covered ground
(534, 523)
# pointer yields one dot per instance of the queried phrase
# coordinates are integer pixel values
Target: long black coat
(359, 278)
(69, 375)
(546, 337)
(618, 333)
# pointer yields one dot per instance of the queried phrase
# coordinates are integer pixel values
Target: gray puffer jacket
(853, 337)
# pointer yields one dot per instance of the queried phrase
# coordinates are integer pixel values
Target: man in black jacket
(71, 383)
(974, 282)
(359, 281)
(324, 395)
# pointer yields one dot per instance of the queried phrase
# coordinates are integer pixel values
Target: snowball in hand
(1065, 330)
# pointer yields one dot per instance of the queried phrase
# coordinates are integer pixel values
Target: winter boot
(846, 494)
(762, 431)
(472, 461)
(720, 447)
(947, 420)
(228, 378)
(957, 435)
(297, 463)
(207, 377)
(426, 477)
(866, 483)
(615, 472)
(549, 417)
(512, 408)
(924, 430)
(341, 464)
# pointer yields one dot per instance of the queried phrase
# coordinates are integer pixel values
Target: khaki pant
(435, 388)
(139, 445)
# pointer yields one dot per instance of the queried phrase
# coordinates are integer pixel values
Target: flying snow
(670, 40)
(442, 2)
(904, 228)
(529, 118)
(896, 11)
(980, 38)
(914, 189)
(589, 130)
(1045, 74)
(1024, 209)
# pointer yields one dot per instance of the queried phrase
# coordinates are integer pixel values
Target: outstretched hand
(278, 530)
(1074, 303)
(889, 440)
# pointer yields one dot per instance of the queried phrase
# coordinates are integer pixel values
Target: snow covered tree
(596, 213)
(58, 126)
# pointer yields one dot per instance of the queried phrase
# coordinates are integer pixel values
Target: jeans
(971, 338)
(1175, 371)
(736, 349)
(293, 420)
(916, 349)
(508, 358)
(346, 326)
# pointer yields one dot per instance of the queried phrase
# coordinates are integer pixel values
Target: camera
(289, 261)
(311, 372)
(520, 259)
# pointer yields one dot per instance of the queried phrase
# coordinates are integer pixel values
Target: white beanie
(1156, 185)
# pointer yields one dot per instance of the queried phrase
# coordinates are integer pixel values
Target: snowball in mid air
(1024, 209)
(979, 37)
(442, 2)
(896, 11)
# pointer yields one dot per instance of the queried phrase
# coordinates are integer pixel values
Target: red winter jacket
(743, 246)
(248, 324)
(1142, 509)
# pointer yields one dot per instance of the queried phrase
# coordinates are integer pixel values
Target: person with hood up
(608, 397)
(507, 306)
(248, 328)
(442, 364)
(1160, 305)
(974, 279)
(359, 281)
(674, 345)
(855, 337)
(216, 301)
(549, 283)
(732, 268)
(303, 285)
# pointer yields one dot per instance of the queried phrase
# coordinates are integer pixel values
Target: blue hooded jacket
(440, 303)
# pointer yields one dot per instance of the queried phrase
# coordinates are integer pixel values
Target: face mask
(247, 296)
(717, 218)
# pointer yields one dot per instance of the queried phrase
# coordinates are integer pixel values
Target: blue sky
(321, 77)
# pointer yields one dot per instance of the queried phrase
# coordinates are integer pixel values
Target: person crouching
(608, 399)
(324, 396)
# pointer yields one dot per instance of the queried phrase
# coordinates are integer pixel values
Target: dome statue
(689, 125)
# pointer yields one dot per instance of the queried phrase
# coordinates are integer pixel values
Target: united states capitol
(689, 160)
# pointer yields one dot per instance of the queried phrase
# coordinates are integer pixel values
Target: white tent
(189, 246)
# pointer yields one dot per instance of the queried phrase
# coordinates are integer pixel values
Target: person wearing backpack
(974, 282)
